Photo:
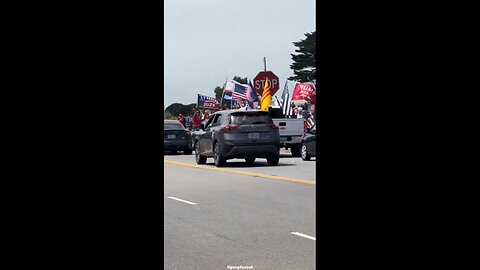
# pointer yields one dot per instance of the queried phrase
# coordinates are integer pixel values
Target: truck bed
(291, 129)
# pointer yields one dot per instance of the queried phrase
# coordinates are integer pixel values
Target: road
(218, 218)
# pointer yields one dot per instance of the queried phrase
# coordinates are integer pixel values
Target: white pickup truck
(291, 130)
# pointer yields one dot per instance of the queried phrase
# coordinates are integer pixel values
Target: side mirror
(202, 126)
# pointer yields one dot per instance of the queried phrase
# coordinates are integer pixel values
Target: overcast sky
(207, 41)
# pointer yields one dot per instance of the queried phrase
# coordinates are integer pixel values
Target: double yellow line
(274, 177)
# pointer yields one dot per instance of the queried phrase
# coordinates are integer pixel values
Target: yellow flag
(266, 96)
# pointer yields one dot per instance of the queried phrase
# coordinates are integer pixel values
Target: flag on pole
(225, 84)
(313, 98)
(227, 94)
(234, 92)
(251, 95)
(285, 101)
(266, 97)
(239, 91)
(228, 90)
(206, 102)
(310, 119)
(310, 122)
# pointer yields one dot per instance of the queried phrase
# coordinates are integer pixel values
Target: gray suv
(229, 134)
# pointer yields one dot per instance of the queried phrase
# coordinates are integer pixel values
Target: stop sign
(260, 79)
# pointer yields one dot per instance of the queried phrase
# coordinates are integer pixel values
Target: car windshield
(172, 126)
(250, 118)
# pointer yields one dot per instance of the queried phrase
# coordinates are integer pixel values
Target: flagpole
(278, 101)
(285, 102)
(223, 92)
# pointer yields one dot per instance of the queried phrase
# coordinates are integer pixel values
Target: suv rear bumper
(229, 150)
(177, 145)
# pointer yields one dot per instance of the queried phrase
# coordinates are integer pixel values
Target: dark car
(176, 137)
(246, 134)
(309, 142)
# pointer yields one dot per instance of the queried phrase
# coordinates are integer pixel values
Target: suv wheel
(305, 155)
(295, 149)
(218, 159)
(198, 158)
(250, 161)
(273, 160)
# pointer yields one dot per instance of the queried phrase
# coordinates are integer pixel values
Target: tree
(240, 79)
(218, 92)
(304, 63)
(175, 109)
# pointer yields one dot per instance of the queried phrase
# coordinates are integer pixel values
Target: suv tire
(250, 161)
(217, 157)
(295, 149)
(199, 158)
(273, 160)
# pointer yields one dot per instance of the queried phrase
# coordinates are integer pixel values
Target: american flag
(236, 90)
(310, 119)
(239, 92)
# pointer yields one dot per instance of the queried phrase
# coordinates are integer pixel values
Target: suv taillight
(274, 126)
(188, 133)
(230, 127)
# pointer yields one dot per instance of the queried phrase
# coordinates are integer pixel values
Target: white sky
(207, 41)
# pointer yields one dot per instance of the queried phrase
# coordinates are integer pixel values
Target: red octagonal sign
(259, 82)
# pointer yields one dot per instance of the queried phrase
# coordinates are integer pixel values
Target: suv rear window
(172, 126)
(250, 118)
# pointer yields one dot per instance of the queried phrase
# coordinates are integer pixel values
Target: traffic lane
(214, 188)
(230, 218)
(288, 166)
(217, 252)
(238, 220)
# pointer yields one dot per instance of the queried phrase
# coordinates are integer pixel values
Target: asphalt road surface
(221, 218)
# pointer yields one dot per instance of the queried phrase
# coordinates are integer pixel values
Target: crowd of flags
(244, 95)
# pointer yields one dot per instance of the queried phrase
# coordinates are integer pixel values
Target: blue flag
(251, 95)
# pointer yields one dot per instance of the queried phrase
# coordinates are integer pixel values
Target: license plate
(171, 136)
(253, 135)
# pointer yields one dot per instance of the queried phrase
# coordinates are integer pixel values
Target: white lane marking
(180, 200)
(304, 235)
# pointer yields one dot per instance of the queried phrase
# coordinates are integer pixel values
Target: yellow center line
(206, 167)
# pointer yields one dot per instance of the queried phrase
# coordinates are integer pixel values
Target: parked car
(176, 137)
(230, 134)
(309, 143)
